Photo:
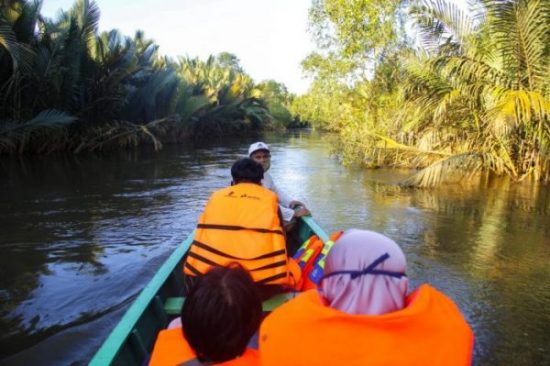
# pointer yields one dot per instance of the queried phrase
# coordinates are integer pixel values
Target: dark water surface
(81, 236)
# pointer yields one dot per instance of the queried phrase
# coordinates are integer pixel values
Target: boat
(131, 341)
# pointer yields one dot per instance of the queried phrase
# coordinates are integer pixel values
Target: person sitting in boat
(361, 314)
(242, 223)
(219, 316)
(259, 152)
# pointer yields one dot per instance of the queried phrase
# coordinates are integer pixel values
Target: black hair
(247, 170)
(221, 313)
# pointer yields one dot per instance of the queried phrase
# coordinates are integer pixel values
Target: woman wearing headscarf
(361, 314)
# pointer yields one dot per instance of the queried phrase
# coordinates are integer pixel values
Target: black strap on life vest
(277, 253)
(235, 227)
(272, 278)
(193, 270)
(222, 254)
(269, 266)
(196, 272)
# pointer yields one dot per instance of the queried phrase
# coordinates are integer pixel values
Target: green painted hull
(132, 340)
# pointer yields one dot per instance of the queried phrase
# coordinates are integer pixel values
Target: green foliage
(118, 90)
(226, 60)
(496, 84)
(356, 28)
(475, 98)
(278, 101)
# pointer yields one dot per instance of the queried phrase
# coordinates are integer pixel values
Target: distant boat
(131, 341)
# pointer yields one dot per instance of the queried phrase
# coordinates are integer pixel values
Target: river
(80, 236)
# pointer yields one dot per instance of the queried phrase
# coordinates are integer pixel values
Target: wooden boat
(131, 341)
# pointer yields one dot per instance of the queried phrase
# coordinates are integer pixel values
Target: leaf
(192, 105)
(45, 119)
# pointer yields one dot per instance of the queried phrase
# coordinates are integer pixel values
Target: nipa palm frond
(21, 55)
(45, 119)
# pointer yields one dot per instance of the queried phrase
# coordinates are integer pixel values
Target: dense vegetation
(66, 87)
(431, 85)
(421, 84)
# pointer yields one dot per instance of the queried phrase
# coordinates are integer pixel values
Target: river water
(80, 236)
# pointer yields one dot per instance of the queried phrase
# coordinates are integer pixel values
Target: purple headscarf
(366, 294)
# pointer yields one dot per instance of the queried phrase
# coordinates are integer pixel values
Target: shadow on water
(82, 235)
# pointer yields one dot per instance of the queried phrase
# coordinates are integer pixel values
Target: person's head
(221, 313)
(259, 152)
(365, 274)
(247, 171)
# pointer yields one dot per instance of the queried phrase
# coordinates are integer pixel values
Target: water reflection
(72, 225)
(81, 236)
(486, 247)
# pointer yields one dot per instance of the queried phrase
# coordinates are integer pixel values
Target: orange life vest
(311, 259)
(172, 349)
(430, 330)
(241, 224)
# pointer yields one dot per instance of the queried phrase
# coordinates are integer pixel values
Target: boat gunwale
(120, 333)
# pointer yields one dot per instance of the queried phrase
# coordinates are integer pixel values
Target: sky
(268, 36)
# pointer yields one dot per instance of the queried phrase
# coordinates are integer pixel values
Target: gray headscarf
(374, 286)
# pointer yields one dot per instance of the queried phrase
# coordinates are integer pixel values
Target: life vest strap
(235, 227)
(272, 265)
(195, 271)
(202, 259)
(272, 278)
(222, 254)
(214, 264)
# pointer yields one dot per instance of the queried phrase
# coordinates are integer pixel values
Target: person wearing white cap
(259, 152)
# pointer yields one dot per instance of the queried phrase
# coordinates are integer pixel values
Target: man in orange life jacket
(242, 223)
(220, 314)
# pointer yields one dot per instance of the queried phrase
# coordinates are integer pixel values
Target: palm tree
(104, 89)
(223, 96)
(486, 85)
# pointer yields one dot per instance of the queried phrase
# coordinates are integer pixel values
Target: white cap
(257, 146)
